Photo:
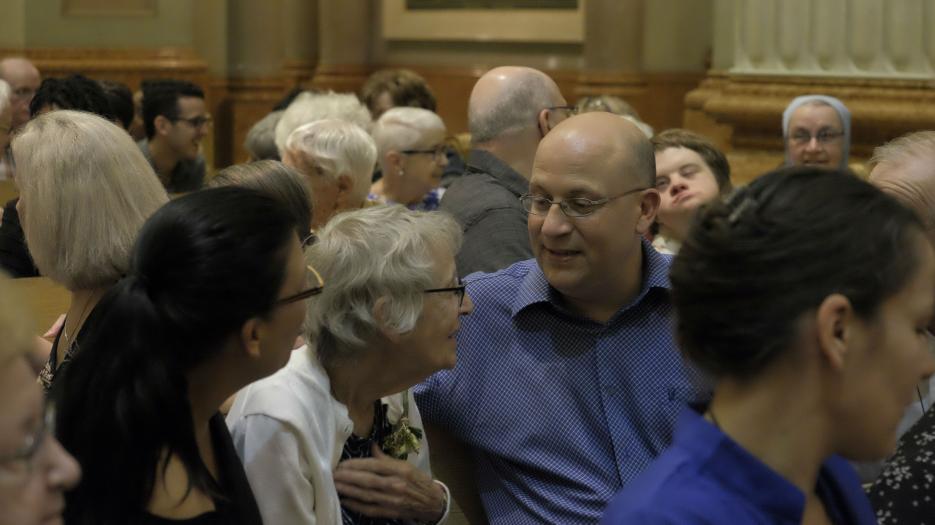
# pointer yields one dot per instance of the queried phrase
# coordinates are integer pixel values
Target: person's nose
(813, 144)
(556, 223)
(63, 470)
(676, 187)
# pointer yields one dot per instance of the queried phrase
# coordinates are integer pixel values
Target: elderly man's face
(24, 80)
(35, 471)
(580, 255)
(6, 124)
(816, 136)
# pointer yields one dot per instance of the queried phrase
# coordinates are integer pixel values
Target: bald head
(905, 168)
(24, 80)
(509, 99)
(600, 138)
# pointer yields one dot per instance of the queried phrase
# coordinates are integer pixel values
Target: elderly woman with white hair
(339, 418)
(338, 158)
(412, 154)
(816, 130)
(82, 203)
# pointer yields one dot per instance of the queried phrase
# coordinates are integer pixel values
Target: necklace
(81, 319)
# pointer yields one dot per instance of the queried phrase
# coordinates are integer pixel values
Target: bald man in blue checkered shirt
(568, 380)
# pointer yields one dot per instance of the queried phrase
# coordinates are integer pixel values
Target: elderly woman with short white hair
(338, 158)
(412, 155)
(339, 418)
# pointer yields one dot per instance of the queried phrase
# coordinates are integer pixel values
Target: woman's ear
(393, 160)
(250, 334)
(834, 322)
(381, 315)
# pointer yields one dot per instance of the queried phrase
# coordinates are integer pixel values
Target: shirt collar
(738, 470)
(480, 161)
(535, 288)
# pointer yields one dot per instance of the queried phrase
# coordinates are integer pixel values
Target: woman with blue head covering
(816, 130)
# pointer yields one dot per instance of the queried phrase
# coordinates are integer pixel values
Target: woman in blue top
(806, 296)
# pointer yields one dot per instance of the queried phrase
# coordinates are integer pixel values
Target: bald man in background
(24, 80)
(568, 381)
(510, 110)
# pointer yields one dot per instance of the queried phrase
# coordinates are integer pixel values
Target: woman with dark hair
(212, 302)
(806, 296)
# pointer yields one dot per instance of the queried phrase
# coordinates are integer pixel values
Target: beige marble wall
(843, 38)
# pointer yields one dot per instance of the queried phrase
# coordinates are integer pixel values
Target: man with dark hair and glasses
(176, 122)
(568, 380)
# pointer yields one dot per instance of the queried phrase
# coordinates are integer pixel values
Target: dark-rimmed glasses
(572, 110)
(438, 153)
(575, 207)
(304, 294)
(459, 290)
(20, 463)
(197, 122)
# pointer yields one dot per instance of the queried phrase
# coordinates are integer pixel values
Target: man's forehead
(191, 105)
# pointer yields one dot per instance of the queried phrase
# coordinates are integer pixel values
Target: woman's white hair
(403, 127)
(85, 190)
(383, 252)
(334, 147)
(5, 94)
(310, 107)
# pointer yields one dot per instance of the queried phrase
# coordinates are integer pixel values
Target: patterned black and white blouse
(904, 493)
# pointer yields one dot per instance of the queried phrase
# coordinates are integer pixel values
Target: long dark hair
(202, 266)
(753, 265)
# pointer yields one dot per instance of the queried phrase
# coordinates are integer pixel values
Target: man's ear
(649, 207)
(162, 124)
(834, 323)
(544, 125)
(250, 337)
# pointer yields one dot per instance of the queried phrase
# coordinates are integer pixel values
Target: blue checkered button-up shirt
(560, 411)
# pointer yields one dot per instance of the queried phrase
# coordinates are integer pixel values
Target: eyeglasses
(823, 137)
(309, 240)
(576, 207)
(439, 152)
(571, 110)
(197, 122)
(20, 464)
(304, 294)
(24, 93)
(458, 290)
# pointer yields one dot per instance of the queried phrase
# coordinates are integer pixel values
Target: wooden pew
(45, 299)
(8, 191)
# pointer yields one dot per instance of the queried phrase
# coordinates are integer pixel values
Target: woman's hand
(384, 487)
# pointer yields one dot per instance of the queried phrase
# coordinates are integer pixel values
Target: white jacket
(289, 432)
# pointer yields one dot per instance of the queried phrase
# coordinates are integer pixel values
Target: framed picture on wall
(558, 21)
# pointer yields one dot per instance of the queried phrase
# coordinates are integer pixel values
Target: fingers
(385, 466)
(374, 511)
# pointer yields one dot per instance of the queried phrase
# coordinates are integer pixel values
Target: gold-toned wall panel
(109, 7)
